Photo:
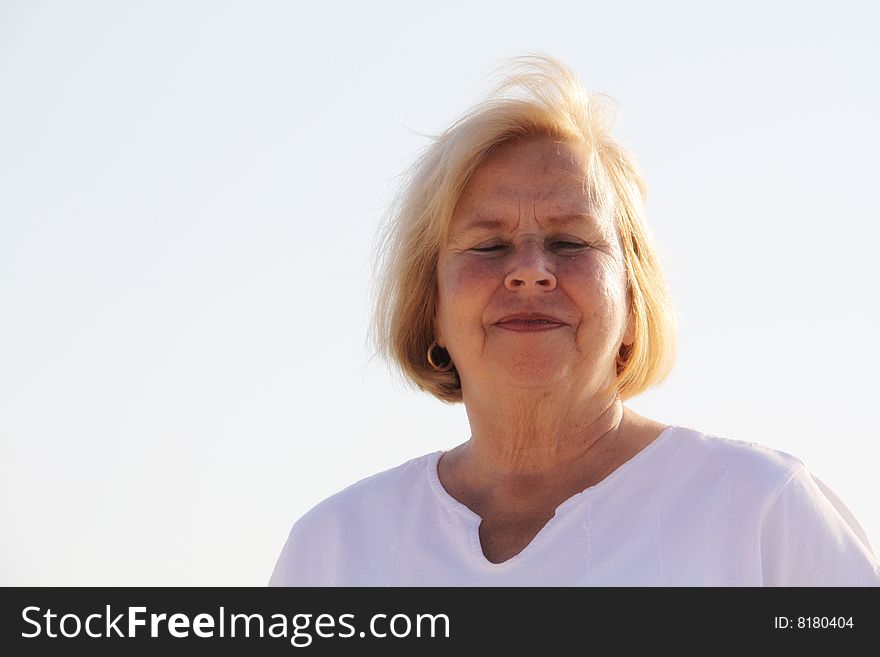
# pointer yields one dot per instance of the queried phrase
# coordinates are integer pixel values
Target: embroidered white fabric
(688, 510)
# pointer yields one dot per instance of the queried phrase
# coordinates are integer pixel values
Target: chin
(535, 372)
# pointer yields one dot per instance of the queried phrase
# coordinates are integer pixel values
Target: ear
(629, 335)
(438, 336)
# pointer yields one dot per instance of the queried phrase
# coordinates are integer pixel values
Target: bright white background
(189, 193)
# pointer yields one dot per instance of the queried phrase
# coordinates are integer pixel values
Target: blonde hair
(538, 96)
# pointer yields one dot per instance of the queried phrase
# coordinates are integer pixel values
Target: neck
(523, 435)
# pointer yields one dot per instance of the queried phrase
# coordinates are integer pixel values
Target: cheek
(466, 278)
(464, 292)
(597, 288)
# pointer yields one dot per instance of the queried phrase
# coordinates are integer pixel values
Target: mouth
(529, 324)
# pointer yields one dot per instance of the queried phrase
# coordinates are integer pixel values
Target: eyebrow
(567, 219)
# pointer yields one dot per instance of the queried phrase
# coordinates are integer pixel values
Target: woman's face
(524, 240)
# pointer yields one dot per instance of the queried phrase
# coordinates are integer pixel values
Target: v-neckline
(474, 520)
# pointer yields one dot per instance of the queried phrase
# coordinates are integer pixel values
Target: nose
(530, 269)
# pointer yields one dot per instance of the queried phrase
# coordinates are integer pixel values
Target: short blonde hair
(551, 102)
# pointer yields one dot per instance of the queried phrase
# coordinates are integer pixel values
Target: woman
(520, 279)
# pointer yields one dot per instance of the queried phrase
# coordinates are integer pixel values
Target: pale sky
(189, 193)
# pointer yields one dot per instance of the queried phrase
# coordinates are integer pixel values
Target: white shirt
(688, 510)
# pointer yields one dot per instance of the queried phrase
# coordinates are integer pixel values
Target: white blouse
(688, 510)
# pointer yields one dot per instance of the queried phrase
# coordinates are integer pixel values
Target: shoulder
(807, 534)
(809, 537)
(371, 493)
(707, 457)
(355, 515)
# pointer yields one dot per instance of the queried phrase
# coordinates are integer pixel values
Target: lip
(529, 322)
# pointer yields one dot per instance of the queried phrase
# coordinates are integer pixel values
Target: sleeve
(283, 574)
(810, 538)
(306, 558)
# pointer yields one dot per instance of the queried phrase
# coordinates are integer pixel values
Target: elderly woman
(520, 279)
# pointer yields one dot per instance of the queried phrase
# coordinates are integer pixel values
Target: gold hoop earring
(440, 368)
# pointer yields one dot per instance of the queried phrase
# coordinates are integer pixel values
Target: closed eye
(570, 245)
(559, 245)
